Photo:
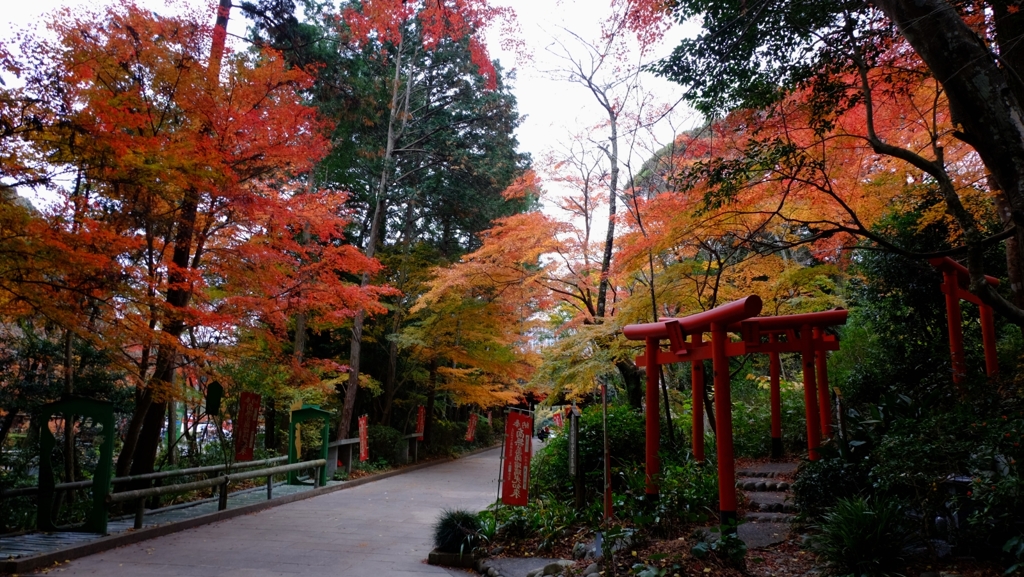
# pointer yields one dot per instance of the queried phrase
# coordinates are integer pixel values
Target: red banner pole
(653, 417)
(723, 428)
(774, 370)
(810, 394)
(824, 398)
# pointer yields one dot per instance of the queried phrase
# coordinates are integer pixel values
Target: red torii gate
(954, 278)
(794, 333)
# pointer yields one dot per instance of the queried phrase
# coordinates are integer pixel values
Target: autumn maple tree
(939, 109)
(187, 196)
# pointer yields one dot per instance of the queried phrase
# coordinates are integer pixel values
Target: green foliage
(371, 465)
(446, 436)
(820, 484)
(17, 513)
(456, 531)
(386, 443)
(726, 546)
(484, 433)
(1015, 547)
(863, 537)
(688, 490)
(752, 417)
(550, 468)
(749, 57)
(488, 525)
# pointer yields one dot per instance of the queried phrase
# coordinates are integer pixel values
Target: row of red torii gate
(799, 333)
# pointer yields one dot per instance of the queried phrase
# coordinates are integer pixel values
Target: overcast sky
(553, 109)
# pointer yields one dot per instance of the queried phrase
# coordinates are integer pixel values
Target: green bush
(820, 484)
(445, 436)
(386, 443)
(456, 531)
(484, 433)
(550, 469)
(863, 537)
(688, 490)
(752, 418)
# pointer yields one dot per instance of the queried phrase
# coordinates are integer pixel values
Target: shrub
(862, 537)
(688, 490)
(445, 436)
(386, 443)
(456, 530)
(484, 433)
(820, 484)
(550, 472)
(752, 417)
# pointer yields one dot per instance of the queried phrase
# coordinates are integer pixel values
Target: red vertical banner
(421, 421)
(244, 427)
(364, 442)
(471, 429)
(516, 468)
(489, 423)
(558, 419)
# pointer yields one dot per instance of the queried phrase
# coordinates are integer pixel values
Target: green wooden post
(308, 413)
(101, 413)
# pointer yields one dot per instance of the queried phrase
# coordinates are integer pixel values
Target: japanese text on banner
(516, 468)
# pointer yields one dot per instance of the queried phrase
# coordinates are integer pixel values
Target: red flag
(364, 444)
(558, 419)
(516, 468)
(245, 424)
(471, 430)
(421, 421)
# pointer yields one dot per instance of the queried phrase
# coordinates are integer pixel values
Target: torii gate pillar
(653, 419)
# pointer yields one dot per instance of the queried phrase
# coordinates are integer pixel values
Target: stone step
(771, 501)
(755, 517)
(760, 484)
(774, 507)
(768, 470)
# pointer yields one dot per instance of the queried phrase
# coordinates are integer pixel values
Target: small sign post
(364, 443)
(244, 427)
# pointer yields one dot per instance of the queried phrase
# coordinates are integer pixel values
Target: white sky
(553, 110)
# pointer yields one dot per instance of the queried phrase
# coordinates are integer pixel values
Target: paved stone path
(36, 543)
(378, 529)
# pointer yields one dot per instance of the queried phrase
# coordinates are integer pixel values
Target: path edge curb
(22, 565)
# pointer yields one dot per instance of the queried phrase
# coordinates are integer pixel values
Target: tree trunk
(428, 424)
(634, 381)
(270, 425)
(390, 380)
(1013, 244)
(982, 102)
(5, 426)
(613, 192)
(396, 125)
(69, 420)
(149, 413)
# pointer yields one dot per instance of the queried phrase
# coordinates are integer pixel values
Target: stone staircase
(771, 508)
